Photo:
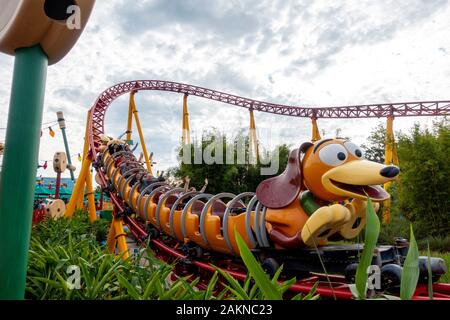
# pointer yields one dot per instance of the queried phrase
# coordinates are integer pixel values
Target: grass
(56, 245)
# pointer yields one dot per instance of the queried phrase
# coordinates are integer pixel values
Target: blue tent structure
(40, 191)
(65, 193)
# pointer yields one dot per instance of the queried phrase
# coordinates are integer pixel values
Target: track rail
(404, 109)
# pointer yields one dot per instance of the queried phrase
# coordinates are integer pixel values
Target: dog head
(332, 169)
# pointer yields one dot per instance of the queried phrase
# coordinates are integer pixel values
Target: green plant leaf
(262, 280)
(151, 285)
(312, 294)
(222, 294)
(233, 285)
(211, 285)
(277, 275)
(410, 273)
(128, 286)
(353, 290)
(283, 287)
(106, 277)
(372, 230)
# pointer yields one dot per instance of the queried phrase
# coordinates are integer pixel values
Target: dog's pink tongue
(375, 192)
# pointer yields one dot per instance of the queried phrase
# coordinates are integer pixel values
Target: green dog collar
(308, 202)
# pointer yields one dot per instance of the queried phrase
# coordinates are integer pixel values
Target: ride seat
(197, 207)
(218, 209)
(238, 208)
(156, 196)
(171, 200)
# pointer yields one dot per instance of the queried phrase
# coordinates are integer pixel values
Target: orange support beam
(253, 140)
(129, 120)
(315, 130)
(389, 159)
(186, 134)
(133, 108)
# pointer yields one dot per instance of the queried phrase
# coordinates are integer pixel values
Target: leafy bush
(423, 194)
(399, 224)
(439, 244)
(57, 244)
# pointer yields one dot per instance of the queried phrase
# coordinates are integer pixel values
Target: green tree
(235, 177)
(424, 190)
(375, 147)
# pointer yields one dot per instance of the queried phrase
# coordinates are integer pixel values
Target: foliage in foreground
(372, 230)
(264, 288)
(57, 244)
(410, 272)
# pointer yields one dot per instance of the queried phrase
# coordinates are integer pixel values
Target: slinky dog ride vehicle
(320, 196)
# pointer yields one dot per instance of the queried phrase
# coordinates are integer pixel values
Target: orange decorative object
(51, 132)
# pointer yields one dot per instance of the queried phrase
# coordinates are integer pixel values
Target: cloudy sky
(305, 53)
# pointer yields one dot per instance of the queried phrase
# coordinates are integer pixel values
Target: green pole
(62, 126)
(66, 145)
(19, 168)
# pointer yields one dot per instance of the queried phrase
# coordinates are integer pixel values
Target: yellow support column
(111, 241)
(77, 197)
(141, 136)
(130, 117)
(186, 134)
(78, 190)
(253, 140)
(79, 203)
(315, 130)
(389, 159)
(90, 197)
(117, 237)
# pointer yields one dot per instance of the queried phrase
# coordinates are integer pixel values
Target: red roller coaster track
(404, 109)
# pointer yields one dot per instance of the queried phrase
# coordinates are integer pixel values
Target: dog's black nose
(389, 171)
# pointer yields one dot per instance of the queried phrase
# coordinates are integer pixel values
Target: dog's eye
(333, 154)
(354, 149)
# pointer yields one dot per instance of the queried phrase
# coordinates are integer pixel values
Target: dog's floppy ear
(305, 146)
(282, 190)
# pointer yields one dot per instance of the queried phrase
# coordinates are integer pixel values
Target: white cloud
(305, 53)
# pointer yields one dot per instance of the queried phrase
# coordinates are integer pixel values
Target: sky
(304, 53)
